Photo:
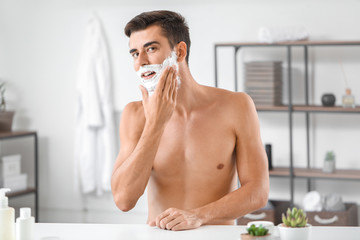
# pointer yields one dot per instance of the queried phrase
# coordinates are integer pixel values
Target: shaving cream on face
(157, 69)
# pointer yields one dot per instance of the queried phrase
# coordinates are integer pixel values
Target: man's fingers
(172, 84)
(168, 81)
(174, 90)
(152, 223)
(166, 220)
(144, 92)
(161, 216)
(181, 226)
(162, 81)
(174, 222)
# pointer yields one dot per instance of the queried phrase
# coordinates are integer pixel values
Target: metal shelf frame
(35, 191)
(290, 107)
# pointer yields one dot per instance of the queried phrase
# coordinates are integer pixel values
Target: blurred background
(41, 43)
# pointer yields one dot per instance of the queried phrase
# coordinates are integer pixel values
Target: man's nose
(142, 59)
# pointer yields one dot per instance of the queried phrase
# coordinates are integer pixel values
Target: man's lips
(147, 75)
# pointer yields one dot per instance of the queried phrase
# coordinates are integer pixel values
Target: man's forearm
(244, 200)
(248, 198)
(129, 180)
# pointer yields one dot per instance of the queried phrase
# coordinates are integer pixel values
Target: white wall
(40, 43)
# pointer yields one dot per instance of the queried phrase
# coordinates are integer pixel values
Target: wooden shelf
(345, 174)
(280, 172)
(264, 108)
(348, 174)
(290, 43)
(335, 109)
(16, 134)
(20, 193)
(308, 108)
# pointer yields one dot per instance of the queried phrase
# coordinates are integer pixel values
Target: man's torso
(195, 162)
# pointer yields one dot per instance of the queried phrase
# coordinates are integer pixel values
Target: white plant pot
(289, 233)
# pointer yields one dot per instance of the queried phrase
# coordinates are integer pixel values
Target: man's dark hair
(173, 26)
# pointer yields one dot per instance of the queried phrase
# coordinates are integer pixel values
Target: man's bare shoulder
(134, 108)
(235, 101)
(133, 115)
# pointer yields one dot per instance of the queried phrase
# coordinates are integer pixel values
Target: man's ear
(181, 51)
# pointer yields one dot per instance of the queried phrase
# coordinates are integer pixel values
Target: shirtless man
(186, 144)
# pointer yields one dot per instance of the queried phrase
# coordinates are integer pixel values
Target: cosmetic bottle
(25, 225)
(348, 100)
(7, 217)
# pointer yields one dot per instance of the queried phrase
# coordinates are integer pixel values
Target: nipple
(220, 166)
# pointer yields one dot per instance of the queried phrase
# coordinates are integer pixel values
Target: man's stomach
(186, 195)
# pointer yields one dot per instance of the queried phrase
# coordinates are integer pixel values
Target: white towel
(312, 201)
(95, 149)
(282, 34)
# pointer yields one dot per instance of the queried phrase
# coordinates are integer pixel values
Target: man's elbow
(124, 203)
(259, 197)
(263, 197)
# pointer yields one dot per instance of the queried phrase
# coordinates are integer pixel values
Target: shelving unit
(29, 190)
(291, 172)
(339, 174)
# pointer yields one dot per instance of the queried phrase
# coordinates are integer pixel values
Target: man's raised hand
(160, 106)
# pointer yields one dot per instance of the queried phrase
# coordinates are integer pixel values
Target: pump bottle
(25, 225)
(7, 217)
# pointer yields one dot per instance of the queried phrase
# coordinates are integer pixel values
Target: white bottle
(25, 225)
(7, 217)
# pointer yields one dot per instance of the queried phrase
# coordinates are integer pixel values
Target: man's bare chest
(200, 145)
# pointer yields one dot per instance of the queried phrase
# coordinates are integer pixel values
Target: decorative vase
(328, 100)
(6, 119)
(294, 233)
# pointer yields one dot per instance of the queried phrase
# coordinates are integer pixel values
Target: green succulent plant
(257, 231)
(330, 155)
(294, 218)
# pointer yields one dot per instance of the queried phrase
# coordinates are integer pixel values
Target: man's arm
(252, 168)
(140, 138)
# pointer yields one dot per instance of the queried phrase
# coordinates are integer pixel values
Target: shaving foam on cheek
(150, 84)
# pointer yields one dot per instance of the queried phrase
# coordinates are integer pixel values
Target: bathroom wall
(40, 43)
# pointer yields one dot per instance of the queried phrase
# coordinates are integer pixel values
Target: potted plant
(6, 117)
(256, 233)
(329, 162)
(294, 226)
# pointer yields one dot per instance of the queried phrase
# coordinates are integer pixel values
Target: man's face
(149, 46)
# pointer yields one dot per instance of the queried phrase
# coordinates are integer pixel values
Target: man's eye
(151, 49)
(135, 55)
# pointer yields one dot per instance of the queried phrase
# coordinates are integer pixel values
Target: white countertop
(61, 231)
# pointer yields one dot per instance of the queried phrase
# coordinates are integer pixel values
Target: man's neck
(190, 94)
